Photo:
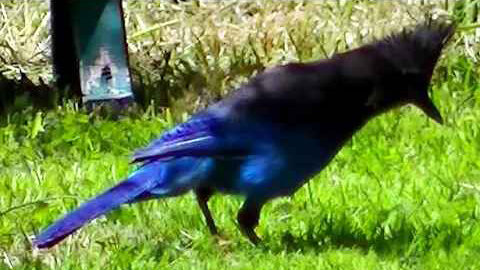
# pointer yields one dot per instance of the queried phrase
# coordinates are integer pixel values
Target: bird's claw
(252, 236)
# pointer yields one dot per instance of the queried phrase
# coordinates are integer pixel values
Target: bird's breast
(272, 169)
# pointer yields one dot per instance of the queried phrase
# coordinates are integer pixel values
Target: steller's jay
(275, 132)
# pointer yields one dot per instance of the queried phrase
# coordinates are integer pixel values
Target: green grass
(403, 194)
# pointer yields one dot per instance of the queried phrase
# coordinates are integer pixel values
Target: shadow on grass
(406, 242)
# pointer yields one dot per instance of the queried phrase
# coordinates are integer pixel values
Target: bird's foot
(251, 235)
(212, 229)
(247, 219)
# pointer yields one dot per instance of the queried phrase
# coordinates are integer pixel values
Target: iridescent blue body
(253, 159)
(278, 130)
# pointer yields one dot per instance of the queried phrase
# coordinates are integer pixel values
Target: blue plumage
(140, 181)
(277, 131)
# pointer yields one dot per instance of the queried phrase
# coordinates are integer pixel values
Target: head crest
(416, 50)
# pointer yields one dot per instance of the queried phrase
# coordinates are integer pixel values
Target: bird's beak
(427, 106)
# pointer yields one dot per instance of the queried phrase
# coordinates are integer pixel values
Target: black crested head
(413, 55)
(417, 49)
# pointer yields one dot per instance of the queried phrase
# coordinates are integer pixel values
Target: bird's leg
(203, 195)
(247, 218)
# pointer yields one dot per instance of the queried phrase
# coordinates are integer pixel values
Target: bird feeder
(90, 50)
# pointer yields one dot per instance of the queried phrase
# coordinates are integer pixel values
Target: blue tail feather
(126, 191)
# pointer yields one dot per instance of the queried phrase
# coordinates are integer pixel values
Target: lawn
(403, 194)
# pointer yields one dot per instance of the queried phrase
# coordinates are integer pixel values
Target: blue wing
(202, 135)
